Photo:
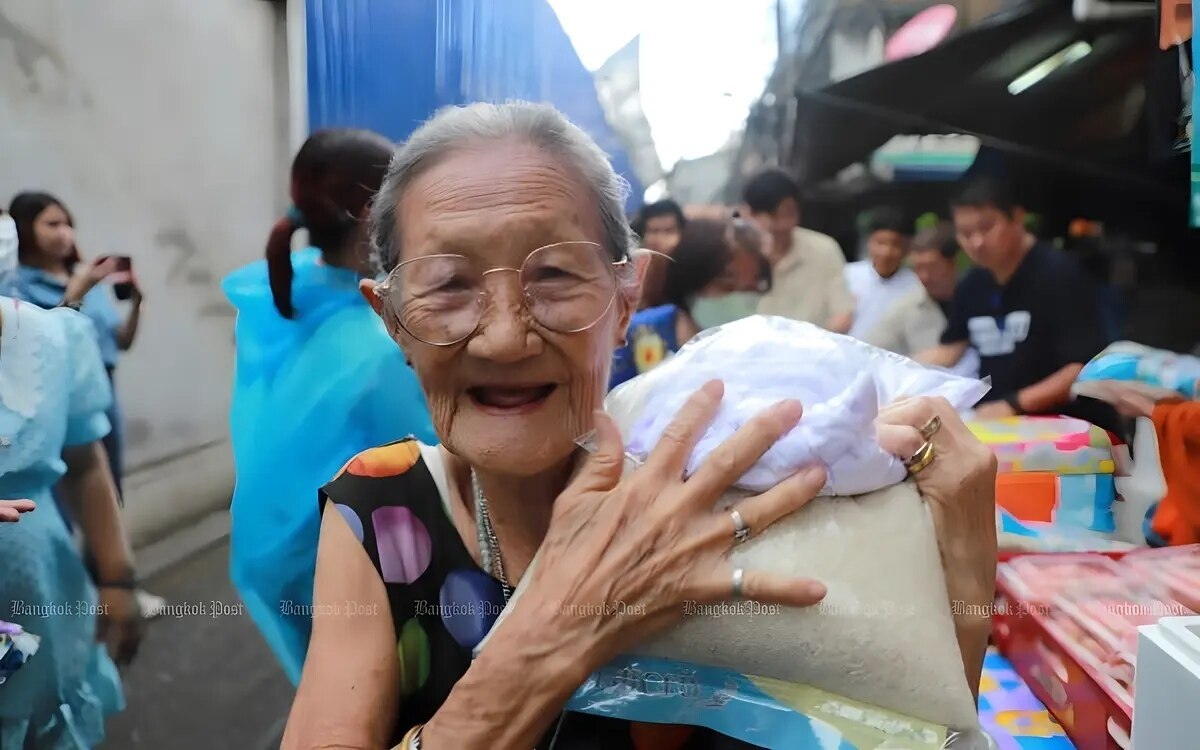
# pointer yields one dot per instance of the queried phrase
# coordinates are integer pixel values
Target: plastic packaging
(16, 647)
(884, 636)
(842, 382)
(1159, 374)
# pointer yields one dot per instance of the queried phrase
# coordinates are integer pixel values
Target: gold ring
(920, 460)
(931, 427)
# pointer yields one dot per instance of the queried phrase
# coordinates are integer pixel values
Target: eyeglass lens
(567, 286)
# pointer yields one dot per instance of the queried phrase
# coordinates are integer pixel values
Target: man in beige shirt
(915, 322)
(808, 282)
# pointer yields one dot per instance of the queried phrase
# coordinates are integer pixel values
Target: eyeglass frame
(384, 289)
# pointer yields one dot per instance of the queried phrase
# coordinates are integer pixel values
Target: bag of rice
(879, 656)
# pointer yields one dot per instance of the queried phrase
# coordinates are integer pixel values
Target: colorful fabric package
(1159, 374)
(1055, 444)
(1053, 470)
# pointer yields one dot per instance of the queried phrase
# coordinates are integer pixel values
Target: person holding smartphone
(52, 274)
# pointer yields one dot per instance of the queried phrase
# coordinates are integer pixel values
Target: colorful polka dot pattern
(385, 461)
(413, 652)
(403, 543)
(470, 603)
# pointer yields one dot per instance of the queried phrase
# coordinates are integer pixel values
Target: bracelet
(412, 739)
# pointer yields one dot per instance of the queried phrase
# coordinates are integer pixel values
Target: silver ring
(739, 576)
(741, 532)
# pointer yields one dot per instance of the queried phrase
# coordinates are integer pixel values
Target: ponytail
(334, 176)
(279, 260)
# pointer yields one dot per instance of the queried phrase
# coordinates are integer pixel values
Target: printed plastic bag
(1159, 374)
(841, 381)
(16, 647)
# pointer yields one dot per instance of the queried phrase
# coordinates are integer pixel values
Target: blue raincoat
(308, 395)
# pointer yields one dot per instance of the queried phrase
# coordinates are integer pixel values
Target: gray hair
(538, 124)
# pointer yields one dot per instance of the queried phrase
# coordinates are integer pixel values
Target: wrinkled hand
(959, 487)
(87, 276)
(11, 510)
(623, 554)
(119, 624)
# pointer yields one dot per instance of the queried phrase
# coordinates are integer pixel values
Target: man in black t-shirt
(1029, 310)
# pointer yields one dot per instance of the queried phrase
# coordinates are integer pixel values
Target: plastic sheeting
(388, 65)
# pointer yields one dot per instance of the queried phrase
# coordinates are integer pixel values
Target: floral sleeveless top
(443, 604)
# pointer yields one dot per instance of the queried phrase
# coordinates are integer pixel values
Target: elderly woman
(509, 284)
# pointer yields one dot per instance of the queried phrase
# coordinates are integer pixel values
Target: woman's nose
(505, 331)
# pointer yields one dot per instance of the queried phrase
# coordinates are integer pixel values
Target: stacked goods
(1158, 374)
(1069, 623)
(1053, 470)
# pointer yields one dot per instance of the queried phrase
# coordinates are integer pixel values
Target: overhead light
(1034, 75)
(655, 192)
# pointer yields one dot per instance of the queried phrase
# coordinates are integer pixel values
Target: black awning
(1085, 117)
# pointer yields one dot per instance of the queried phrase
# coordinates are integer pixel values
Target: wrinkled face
(513, 396)
(780, 222)
(53, 233)
(937, 273)
(886, 249)
(990, 237)
(662, 234)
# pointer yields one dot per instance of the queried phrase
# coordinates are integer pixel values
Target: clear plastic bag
(842, 382)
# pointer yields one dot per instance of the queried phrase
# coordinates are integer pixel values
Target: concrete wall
(164, 126)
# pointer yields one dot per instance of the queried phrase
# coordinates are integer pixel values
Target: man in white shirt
(806, 266)
(881, 280)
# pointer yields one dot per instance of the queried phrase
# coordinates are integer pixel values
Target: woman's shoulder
(393, 474)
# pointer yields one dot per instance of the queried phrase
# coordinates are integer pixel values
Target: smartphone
(122, 289)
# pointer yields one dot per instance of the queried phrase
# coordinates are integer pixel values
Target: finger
(20, 506)
(760, 511)
(901, 440)
(602, 469)
(9, 515)
(759, 586)
(737, 454)
(681, 435)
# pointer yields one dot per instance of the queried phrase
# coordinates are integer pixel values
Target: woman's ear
(369, 289)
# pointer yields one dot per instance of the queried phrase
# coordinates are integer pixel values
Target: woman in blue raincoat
(317, 380)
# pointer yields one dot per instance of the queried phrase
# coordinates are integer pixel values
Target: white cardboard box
(1166, 707)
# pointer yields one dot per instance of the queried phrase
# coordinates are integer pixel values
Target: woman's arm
(127, 331)
(91, 497)
(348, 691)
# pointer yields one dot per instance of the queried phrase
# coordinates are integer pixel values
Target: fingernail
(816, 590)
(813, 473)
(713, 387)
(790, 409)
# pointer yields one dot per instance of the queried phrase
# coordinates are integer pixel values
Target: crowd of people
(409, 391)
(1007, 318)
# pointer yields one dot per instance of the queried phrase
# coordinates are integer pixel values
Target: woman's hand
(642, 546)
(959, 487)
(119, 623)
(11, 510)
(87, 276)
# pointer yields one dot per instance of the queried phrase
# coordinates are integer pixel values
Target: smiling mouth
(510, 399)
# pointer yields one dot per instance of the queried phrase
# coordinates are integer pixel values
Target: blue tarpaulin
(388, 65)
